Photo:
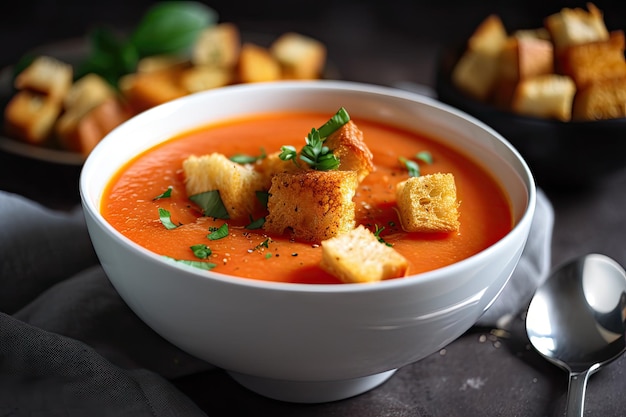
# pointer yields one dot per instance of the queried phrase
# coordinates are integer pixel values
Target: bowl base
(310, 391)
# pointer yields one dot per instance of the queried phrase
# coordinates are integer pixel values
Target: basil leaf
(411, 166)
(219, 233)
(165, 194)
(263, 197)
(247, 159)
(256, 224)
(201, 251)
(424, 156)
(171, 27)
(211, 204)
(166, 219)
(339, 119)
(207, 266)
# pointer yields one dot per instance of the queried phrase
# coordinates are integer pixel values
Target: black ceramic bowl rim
(569, 154)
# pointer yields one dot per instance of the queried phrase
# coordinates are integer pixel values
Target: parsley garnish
(201, 251)
(248, 159)
(256, 224)
(165, 194)
(207, 266)
(314, 153)
(211, 204)
(377, 234)
(219, 233)
(412, 166)
(166, 219)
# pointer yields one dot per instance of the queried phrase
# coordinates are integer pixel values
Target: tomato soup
(130, 206)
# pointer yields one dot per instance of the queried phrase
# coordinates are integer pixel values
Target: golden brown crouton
(428, 203)
(256, 64)
(272, 165)
(595, 61)
(523, 57)
(546, 96)
(200, 78)
(46, 75)
(601, 100)
(311, 205)
(146, 90)
(155, 63)
(87, 92)
(30, 116)
(80, 131)
(236, 183)
(358, 256)
(478, 69)
(348, 145)
(300, 56)
(217, 46)
(576, 26)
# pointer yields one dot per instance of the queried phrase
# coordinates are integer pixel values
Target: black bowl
(560, 154)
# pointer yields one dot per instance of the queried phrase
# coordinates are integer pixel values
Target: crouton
(478, 68)
(428, 203)
(601, 100)
(576, 26)
(217, 46)
(357, 256)
(272, 165)
(80, 131)
(595, 61)
(311, 205)
(546, 96)
(300, 56)
(523, 57)
(87, 92)
(46, 75)
(535, 33)
(147, 90)
(200, 78)
(155, 63)
(236, 183)
(256, 64)
(348, 145)
(30, 116)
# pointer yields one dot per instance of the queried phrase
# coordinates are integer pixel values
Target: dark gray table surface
(480, 374)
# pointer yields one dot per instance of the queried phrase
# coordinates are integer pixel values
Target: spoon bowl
(576, 320)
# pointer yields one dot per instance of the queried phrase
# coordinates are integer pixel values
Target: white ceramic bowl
(303, 342)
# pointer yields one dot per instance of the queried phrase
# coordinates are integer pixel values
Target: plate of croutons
(556, 91)
(66, 97)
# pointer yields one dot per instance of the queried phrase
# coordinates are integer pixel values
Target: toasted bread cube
(80, 131)
(218, 46)
(311, 205)
(300, 56)
(87, 92)
(357, 257)
(576, 26)
(200, 78)
(272, 165)
(157, 63)
(595, 61)
(236, 183)
(256, 64)
(523, 57)
(147, 90)
(547, 96)
(46, 75)
(348, 145)
(601, 100)
(30, 116)
(536, 33)
(478, 68)
(428, 203)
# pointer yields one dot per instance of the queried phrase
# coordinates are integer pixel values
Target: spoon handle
(576, 393)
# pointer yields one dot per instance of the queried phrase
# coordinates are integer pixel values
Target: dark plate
(563, 154)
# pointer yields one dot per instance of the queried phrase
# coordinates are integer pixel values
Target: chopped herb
(425, 157)
(377, 233)
(211, 204)
(201, 251)
(166, 194)
(264, 244)
(207, 266)
(263, 197)
(268, 255)
(411, 166)
(248, 159)
(314, 153)
(256, 224)
(220, 233)
(166, 219)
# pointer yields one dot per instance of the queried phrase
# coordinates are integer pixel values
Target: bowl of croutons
(557, 92)
(308, 237)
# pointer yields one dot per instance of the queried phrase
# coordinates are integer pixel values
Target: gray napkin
(70, 346)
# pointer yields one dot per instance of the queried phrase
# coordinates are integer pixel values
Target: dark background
(363, 36)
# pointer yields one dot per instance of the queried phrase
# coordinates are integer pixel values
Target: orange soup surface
(129, 203)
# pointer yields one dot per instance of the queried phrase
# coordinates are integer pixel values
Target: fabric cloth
(70, 346)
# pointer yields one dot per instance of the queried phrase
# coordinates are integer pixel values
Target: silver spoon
(576, 320)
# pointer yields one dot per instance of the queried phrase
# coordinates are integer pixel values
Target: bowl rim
(326, 85)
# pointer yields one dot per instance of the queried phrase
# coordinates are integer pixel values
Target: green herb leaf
(219, 233)
(256, 224)
(288, 152)
(171, 27)
(425, 157)
(201, 251)
(165, 194)
(166, 219)
(207, 266)
(411, 166)
(211, 204)
(339, 119)
(248, 159)
(263, 197)
(380, 239)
